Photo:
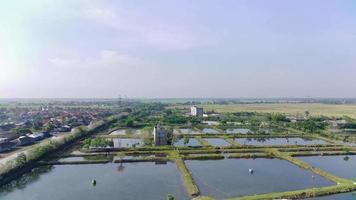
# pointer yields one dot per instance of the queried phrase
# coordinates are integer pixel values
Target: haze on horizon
(178, 48)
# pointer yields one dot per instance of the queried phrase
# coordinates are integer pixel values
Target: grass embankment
(83, 162)
(322, 153)
(203, 157)
(307, 148)
(232, 142)
(203, 142)
(250, 155)
(188, 181)
(26, 160)
(300, 194)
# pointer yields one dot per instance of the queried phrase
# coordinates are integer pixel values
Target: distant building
(24, 140)
(196, 111)
(296, 118)
(160, 136)
(38, 136)
(337, 123)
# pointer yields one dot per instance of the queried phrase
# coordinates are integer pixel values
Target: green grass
(315, 109)
(188, 181)
(300, 194)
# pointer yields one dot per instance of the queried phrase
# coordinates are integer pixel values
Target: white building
(160, 136)
(196, 111)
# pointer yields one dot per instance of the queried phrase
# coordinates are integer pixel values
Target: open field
(314, 109)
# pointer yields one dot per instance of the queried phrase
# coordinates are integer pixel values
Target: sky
(177, 48)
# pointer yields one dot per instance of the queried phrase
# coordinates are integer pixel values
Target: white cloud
(157, 34)
(106, 58)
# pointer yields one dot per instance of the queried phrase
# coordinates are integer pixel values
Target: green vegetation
(300, 194)
(311, 125)
(97, 143)
(315, 109)
(188, 181)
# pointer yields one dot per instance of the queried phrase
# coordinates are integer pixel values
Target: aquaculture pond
(231, 177)
(238, 131)
(210, 131)
(127, 142)
(343, 166)
(278, 141)
(185, 142)
(128, 181)
(217, 142)
(188, 131)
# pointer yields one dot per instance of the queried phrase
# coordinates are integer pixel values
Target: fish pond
(278, 141)
(342, 166)
(187, 142)
(217, 142)
(114, 181)
(187, 131)
(231, 177)
(238, 131)
(210, 131)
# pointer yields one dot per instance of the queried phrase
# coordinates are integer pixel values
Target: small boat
(250, 170)
(93, 182)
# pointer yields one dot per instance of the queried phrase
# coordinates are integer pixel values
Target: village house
(24, 140)
(337, 123)
(196, 111)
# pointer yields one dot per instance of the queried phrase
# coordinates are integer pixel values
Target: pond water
(68, 159)
(230, 177)
(337, 165)
(85, 158)
(127, 181)
(217, 142)
(238, 131)
(278, 141)
(127, 142)
(344, 196)
(210, 131)
(192, 142)
(188, 131)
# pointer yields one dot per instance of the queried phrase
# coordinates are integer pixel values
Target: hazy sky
(183, 48)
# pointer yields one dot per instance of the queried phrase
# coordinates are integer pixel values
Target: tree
(21, 159)
(129, 123)
(186, 140)
(170, 197)
(307, 113)
(37, 124)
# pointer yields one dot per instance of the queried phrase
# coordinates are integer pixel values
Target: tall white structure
(196, 111)
(160, 136)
